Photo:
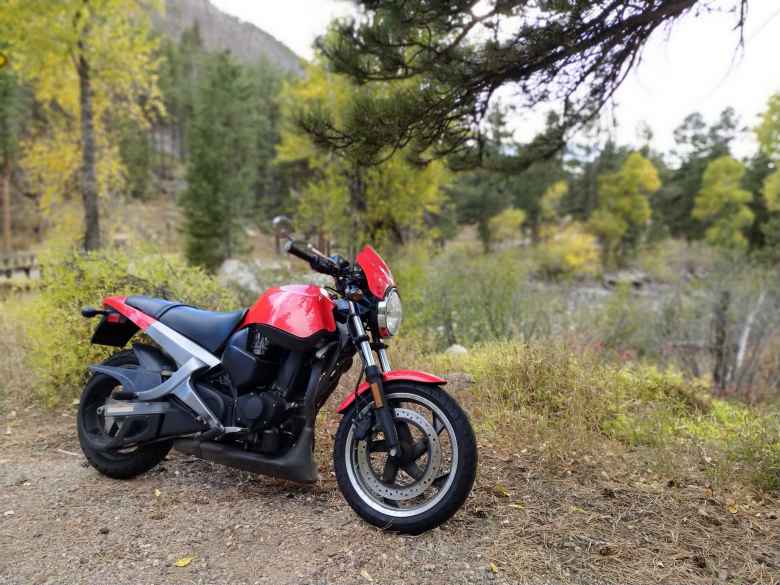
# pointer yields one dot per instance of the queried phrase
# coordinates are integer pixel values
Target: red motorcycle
(244, 389)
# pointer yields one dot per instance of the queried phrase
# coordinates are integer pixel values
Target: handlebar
(318, 261)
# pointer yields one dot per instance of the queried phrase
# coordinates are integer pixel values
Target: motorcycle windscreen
(377, 272)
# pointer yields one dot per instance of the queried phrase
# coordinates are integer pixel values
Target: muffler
(295, 465)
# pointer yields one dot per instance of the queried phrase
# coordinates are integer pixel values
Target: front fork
(375, 379)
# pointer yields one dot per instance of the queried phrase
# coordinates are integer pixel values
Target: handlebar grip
(318, 263)
(291, 248)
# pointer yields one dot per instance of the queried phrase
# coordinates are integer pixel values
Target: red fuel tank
(298, 309)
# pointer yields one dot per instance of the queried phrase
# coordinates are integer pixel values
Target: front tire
(437, 470)
(121, 463)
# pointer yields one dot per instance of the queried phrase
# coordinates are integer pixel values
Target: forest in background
(221, 146)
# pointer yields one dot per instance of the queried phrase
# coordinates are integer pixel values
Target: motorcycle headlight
(390, 314)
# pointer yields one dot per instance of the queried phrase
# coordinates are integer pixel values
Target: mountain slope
(221, 31)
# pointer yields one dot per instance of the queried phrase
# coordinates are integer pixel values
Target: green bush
(464, 296)
(747, 443)
(58, 336)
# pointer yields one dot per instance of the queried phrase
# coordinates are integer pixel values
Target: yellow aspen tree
(723, 205)
(88, 61)
(623, 206)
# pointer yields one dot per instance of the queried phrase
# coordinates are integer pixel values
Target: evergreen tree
(697, 145)
(340, 198)
(12, 115)
(222, 168)
(758, 170)
(451, 57)
(589, 162)
(481, 194)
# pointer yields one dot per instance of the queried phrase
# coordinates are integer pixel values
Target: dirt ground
(63, 523)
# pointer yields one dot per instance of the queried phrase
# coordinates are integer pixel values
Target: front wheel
(434, 474)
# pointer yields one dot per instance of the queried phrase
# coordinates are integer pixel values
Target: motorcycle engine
(260, 410)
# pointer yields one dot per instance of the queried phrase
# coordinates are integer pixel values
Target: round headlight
(390, 314)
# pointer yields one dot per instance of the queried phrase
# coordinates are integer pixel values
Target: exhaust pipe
(295, 465)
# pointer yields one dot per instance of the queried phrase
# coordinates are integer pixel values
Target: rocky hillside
(221, 31)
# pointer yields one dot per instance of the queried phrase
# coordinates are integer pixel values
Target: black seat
(151, 306)
(209, 329)
(206, 328)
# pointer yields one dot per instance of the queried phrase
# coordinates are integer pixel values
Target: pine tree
(697, 144)
(222, 167)
(340, 198)
(12, 115)
(451, 57)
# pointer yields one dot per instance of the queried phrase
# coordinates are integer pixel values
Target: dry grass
(609, 520)
(15, 379)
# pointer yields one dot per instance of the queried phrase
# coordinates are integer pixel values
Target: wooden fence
(19, 265)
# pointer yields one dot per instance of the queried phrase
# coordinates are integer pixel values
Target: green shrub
(58, 336)
(746, 444)
(464, 296)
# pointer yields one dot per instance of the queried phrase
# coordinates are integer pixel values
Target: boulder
(456, 349)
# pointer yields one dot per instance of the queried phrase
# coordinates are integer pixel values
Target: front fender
(405, 375)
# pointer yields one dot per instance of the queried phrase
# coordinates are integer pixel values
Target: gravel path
(62, 522)
(530, 520)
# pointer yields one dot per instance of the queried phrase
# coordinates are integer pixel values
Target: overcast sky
(697, 69)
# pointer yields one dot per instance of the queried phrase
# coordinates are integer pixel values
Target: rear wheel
(94, 428)
(433, 476)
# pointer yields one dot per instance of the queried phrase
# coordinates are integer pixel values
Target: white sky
(696, 69)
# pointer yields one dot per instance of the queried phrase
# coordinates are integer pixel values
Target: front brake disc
(411, 491)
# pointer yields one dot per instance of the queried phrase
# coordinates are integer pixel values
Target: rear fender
(400, 375)
(152, 362)
(152, 359)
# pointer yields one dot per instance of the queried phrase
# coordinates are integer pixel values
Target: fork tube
(360, 335)
(384, 361)
(384, 414)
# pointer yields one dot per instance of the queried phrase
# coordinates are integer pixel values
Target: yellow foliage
(723, 204)
(59, 348)
(551, 200)
(570, 250)
(623, 203)
(44, 43)
(768, 131)
(506, 225)
(772, 191)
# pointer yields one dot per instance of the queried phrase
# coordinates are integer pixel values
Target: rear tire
(117, 464)
(367, 496)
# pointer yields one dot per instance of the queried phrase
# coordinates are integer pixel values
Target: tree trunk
(5, 187)
(720, 373)
(89, 187)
